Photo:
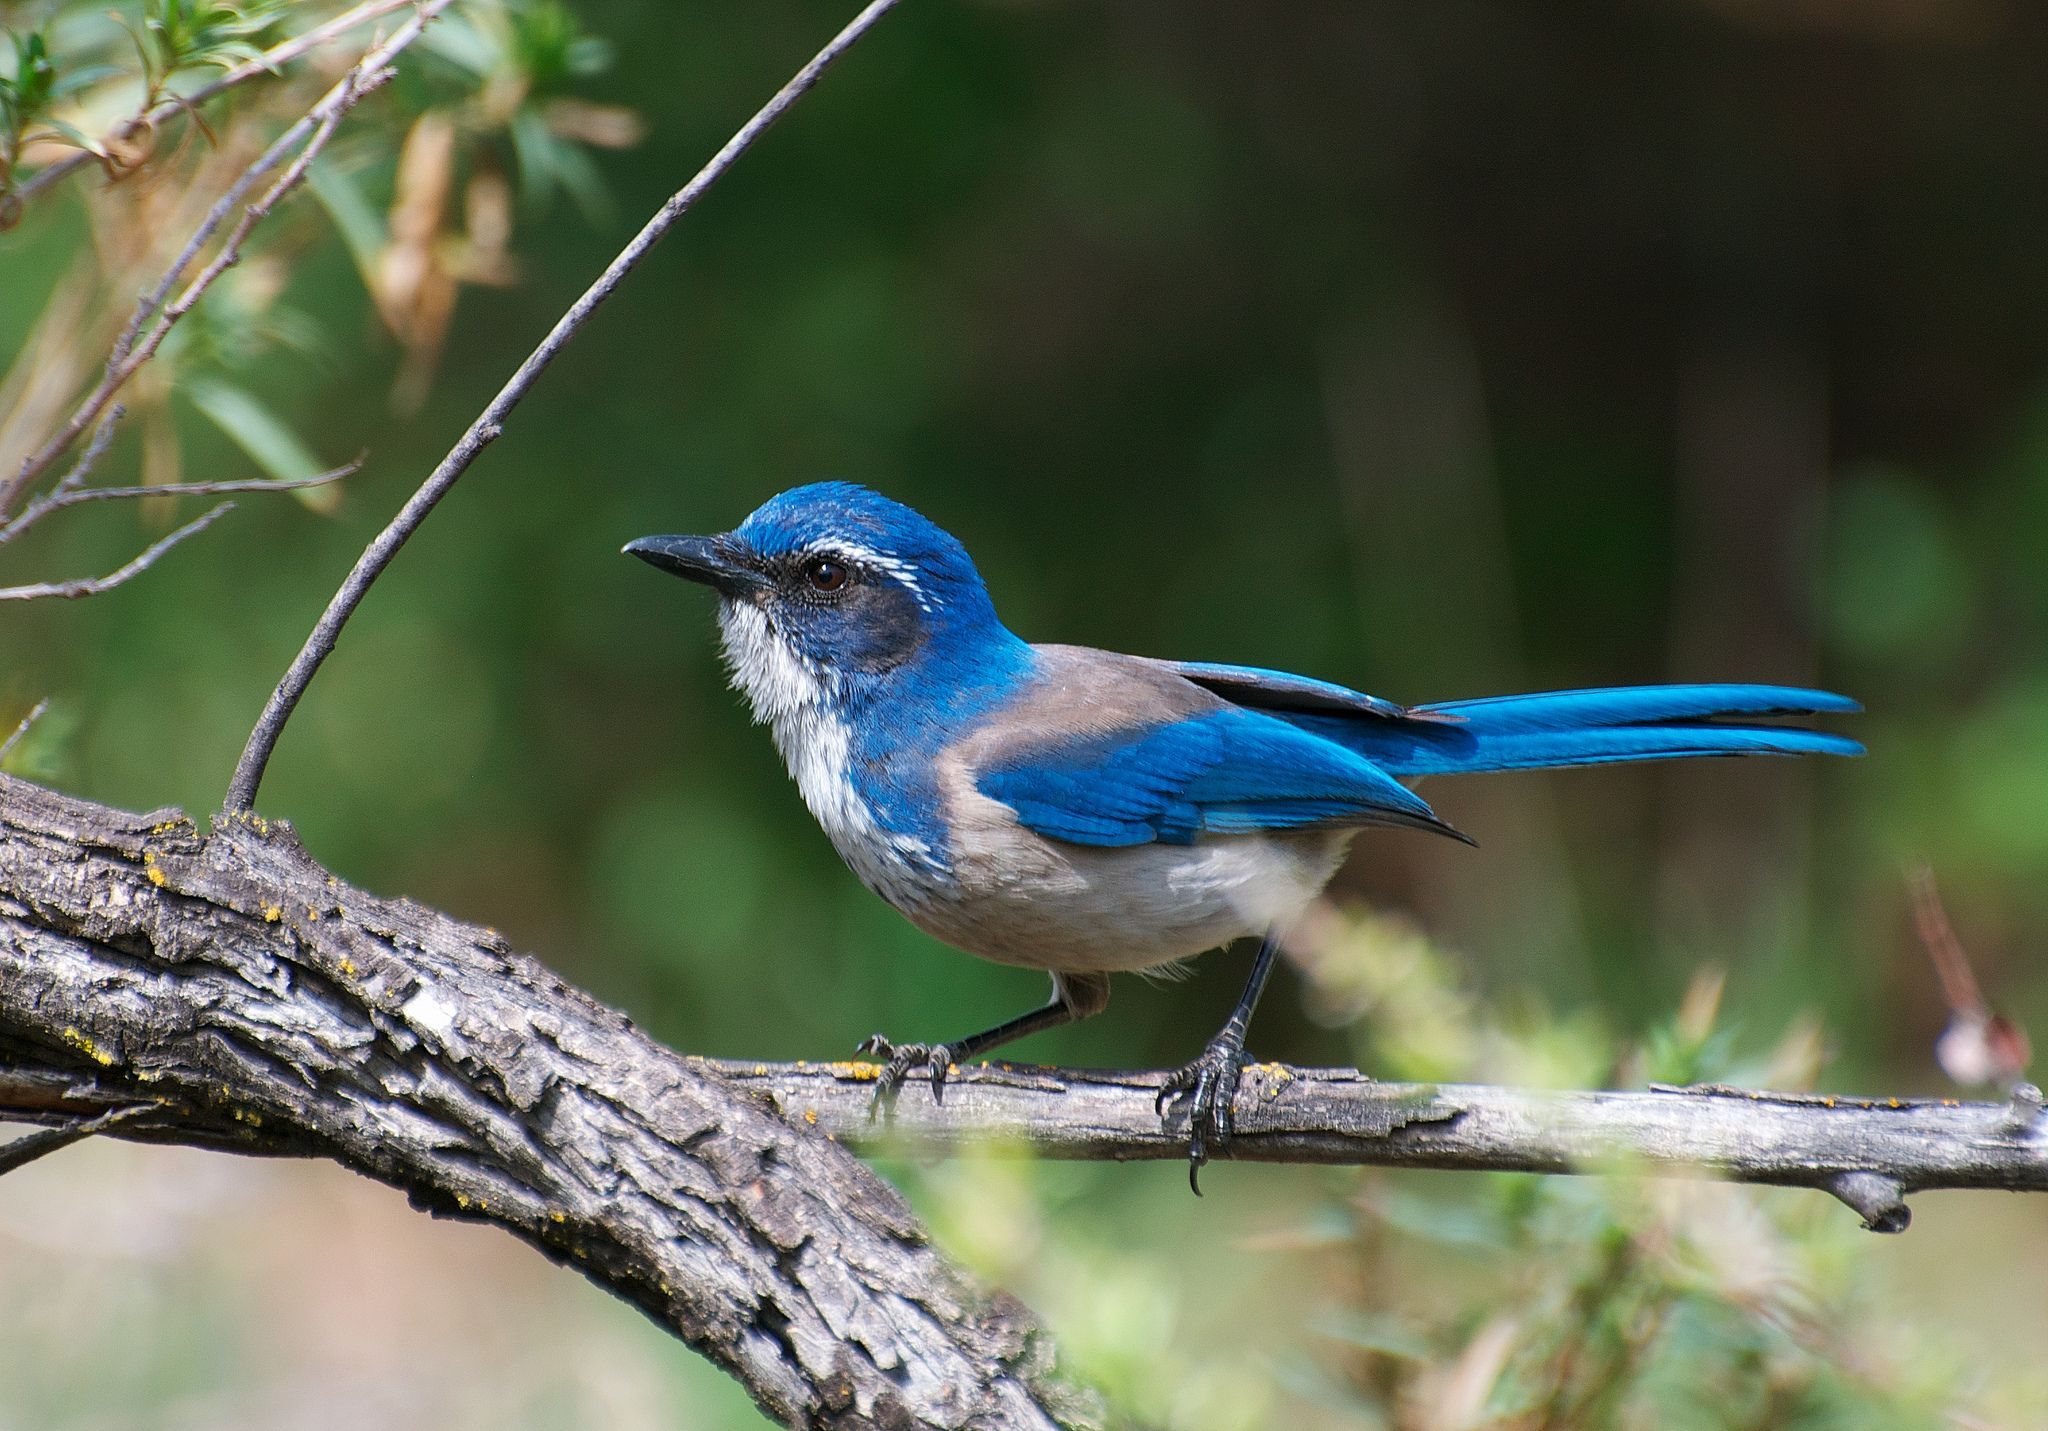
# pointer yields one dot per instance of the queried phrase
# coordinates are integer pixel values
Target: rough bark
(255, 1002)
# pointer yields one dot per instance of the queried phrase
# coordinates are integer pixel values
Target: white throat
(781, 685)
(791, 695)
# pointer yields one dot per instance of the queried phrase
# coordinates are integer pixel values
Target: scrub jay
(1084, 812)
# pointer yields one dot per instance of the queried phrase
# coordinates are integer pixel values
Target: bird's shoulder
(1077, 691)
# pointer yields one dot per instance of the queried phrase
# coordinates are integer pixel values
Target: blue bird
(1084, 812)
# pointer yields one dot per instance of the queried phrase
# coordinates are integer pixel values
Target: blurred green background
(1440, 350)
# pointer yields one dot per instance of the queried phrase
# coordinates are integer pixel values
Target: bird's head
(831, 586)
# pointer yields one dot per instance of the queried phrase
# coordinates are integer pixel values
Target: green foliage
(517, 64)
(28, 93)
(177, 35)
(521, 56)
(549, 46)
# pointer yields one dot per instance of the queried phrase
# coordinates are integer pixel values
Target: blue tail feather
(1635, 705)
(1591, 727)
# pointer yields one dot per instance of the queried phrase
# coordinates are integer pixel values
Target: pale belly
(1076, 909)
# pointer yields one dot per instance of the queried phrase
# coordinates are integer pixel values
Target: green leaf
(548, 162)
(1375, 1332)
(72, 134)
(361, 228)
(458, 39)
(259, 432)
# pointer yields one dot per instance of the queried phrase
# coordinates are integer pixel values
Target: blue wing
(1221, 772)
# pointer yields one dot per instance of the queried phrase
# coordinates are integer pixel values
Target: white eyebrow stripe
(883, 562)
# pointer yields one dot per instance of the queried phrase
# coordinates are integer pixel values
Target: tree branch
(248, 773)
(1869, 1152)
(93, 585)
(255, 1002)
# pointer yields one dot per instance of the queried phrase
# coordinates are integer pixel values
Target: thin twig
(94, 585)
(1977, 1045)
(102, 438)
(1951, 964)
(262, 741)
(21, 730)
(59, 499)
(23, 1151)
(268, 63)
(140, 338)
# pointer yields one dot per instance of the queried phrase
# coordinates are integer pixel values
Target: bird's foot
(1208, 1088)
(898, 1059)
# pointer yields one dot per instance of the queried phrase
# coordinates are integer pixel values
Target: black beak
(710, 560)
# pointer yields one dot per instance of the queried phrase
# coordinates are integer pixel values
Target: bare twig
(23, 727)
(63, 496)
(352, 88)
(270, 62)
(141, 337)
(1854, 1148)
(248, 775)
(94, 585)
(102, 438)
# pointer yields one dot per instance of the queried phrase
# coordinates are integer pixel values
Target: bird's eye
(825, 574)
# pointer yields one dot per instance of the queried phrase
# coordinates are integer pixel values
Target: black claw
(898, 1059)
(1209, 1088)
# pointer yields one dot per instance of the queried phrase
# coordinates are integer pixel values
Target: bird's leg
(1074, 996)
(1209, 1084)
